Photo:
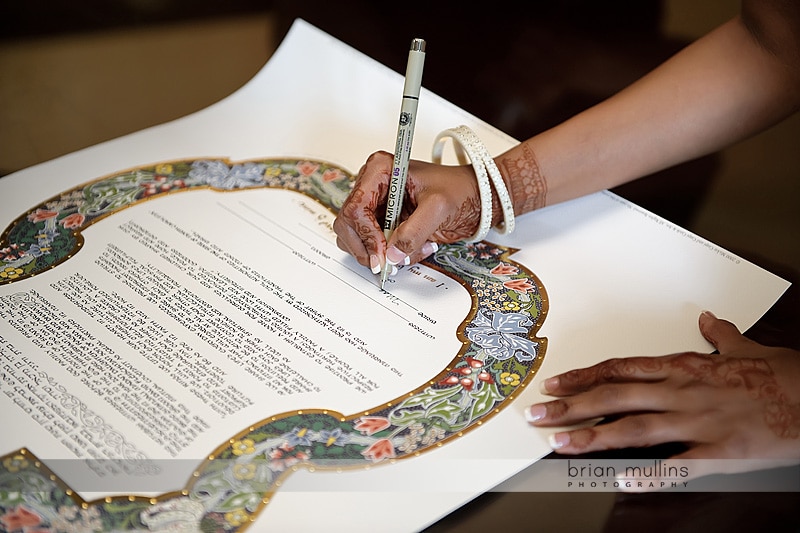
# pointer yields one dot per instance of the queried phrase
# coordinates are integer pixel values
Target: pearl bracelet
(466, 141)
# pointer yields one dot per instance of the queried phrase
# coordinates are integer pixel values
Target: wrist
(497, 212)
(497, 209)
(523, 177)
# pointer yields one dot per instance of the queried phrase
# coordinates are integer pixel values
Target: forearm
(719, 90)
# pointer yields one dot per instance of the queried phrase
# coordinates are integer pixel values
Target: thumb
(724, 335)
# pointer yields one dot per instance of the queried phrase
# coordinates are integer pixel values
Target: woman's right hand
(442, 205)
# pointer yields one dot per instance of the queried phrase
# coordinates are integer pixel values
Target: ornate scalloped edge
(500, 355)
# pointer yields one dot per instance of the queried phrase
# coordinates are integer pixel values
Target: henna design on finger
(623, 369)
(613, 371)
(353, 205)
(364, 231)
(358, 209)
(582, 438)
(557, 409)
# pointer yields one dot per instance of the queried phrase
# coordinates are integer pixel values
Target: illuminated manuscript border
(499, 356)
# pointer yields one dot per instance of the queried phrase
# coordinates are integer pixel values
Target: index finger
(616, 370)
(357, 227)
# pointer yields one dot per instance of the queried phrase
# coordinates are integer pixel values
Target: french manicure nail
(548, 385)
(535, 412)
(395, 256)
(374, 264)
(558, 440)
(429, 248)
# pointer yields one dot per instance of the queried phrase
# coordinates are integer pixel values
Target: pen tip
(384, 275)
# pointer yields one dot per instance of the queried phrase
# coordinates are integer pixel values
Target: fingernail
(709, 314)
(558, 440)
(374, 264)
(548, 385)
(429, 248)
(535, 412)
(393, 271)
(395, 256)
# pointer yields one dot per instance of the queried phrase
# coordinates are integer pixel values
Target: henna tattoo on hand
(757, 378)
(460, 224)
(357, 212)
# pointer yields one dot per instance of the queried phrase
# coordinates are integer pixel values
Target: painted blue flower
(36, 251)
(219, 175)
(499, 336)
(247, 175)
(337, 437)
(210, 172)
(298, 437)
(47, 235)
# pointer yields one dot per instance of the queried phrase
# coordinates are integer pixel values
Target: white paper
(619, 282)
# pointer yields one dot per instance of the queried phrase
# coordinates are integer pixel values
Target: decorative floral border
(499, 356)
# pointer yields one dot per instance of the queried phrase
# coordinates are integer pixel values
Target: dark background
(521, 66)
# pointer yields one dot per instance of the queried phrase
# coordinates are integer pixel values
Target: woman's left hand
(743, 403)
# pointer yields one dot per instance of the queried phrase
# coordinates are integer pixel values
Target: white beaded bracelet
(497, 180)
(465, 140)
(462, 145)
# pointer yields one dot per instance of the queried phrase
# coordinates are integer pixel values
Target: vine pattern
(500, 354)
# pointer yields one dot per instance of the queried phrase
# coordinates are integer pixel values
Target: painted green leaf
(448, 411)
(430, 396)
(406, 416)
(485, 399)
(241, 500)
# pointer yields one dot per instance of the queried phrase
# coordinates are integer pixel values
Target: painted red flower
(41, 214)
(380, 450)
(332, 174)
(369, 425)
(474, 363)
(486, 377)
(467, 382)
(20, 518)
(306, 168)
(522, 286)
(285, 457)
(504, 269)
(12, 252)
(149, 189)
(75, 220)
(450, 380)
